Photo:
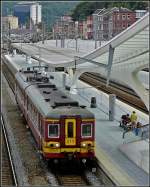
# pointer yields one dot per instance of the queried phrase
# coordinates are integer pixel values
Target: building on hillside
(65, 27)
(140, 13)
(77, 28)
(28, 13)
(107, 23)
(84, 36)
(9, 22)
(80, 29)
(85, 28)
(90, 27)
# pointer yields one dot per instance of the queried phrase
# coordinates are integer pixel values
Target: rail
(9, 152)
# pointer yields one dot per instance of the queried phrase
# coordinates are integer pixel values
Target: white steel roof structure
(120, 58)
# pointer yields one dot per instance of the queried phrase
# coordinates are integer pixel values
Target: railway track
(78, 174)
(8, 175)
(70, 173)
(9, 77)
(122, 92)
(72, 180)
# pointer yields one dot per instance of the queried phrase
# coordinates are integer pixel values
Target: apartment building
(107, 23)
(9, 21)
(140, 13)
(28, 13)
(64, 26)
(89, 27)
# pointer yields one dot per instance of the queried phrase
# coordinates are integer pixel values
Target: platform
(138, 152)
(109, 134)
(109, 137)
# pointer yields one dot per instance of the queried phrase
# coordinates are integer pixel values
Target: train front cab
(69, 138)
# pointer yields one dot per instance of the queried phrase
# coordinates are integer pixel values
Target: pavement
(82, 45)
(138, 152)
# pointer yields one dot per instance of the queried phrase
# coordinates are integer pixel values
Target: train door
(70, 132)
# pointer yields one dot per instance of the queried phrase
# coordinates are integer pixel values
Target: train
(61, 127)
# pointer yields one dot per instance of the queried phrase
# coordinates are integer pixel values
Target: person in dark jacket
(125, 119)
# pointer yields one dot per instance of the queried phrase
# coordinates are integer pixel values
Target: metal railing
(144, 134)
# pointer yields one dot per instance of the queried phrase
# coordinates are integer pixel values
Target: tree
(84, 9)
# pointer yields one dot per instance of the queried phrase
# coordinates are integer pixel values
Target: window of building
(118, 16)
(99, 27)
(123, 26)
(100, 18)
(53, 130)
(123, 17)
(86, 130)
(129, 24)
(128, 16)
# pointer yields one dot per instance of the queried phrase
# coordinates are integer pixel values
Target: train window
(53, 130)
(70, 130)
(86, 130)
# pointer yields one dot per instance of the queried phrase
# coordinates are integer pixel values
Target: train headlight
(84, 145)
(57, 144)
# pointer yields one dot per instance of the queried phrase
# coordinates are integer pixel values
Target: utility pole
(39, 57)
(9, 41)
(36, 33)
(95, 39)
(62, 34)
(95, 30)
(76, 43)
(43, 31)
(21, 40)
(99, 41)
(56, 35)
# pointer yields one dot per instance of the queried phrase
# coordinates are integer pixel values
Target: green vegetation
(53, 10)
(84, 9)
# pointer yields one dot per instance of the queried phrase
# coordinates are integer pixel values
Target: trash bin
(93, 102)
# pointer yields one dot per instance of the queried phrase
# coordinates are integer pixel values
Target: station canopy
(130, 45)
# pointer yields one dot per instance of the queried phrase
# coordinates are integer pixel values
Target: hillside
(84, 9)
(50, 10)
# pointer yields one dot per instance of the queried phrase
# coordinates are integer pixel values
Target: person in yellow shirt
(133, 117)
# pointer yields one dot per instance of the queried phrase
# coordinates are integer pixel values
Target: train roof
(17, 62)
(47, 98)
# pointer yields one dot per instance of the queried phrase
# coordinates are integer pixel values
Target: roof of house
(110, 10)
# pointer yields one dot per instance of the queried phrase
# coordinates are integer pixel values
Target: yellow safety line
(120, 177)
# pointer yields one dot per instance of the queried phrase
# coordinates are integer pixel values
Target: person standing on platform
(133, 119)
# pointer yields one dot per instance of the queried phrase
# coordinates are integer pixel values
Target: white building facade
(35, 13)
(28, 13)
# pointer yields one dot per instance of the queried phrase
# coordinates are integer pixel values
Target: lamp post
(43, 33)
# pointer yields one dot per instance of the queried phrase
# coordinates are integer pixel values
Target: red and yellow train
(61, 127)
